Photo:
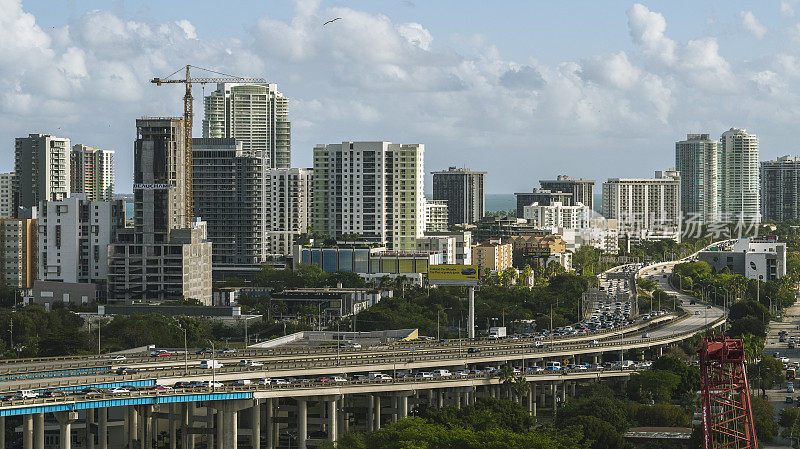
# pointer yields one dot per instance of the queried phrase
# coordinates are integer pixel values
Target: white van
(441, 373)
(210, 364)
(244, 382)
(26, 394)
(379, 376)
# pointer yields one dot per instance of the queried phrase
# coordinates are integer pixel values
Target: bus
(790, 372)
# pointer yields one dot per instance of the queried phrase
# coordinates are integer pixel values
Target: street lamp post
(213, 366)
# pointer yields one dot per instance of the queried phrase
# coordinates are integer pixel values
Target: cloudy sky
(524, 90)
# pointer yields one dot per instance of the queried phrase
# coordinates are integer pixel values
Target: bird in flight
(332, 20)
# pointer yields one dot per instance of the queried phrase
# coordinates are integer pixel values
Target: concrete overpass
(302, 413)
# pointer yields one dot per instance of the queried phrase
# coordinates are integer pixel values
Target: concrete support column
(220, 429)
(344, 417)
(2, 431)
(403, 404)
(563, 392)
(458, 398)
(270, 424)
(102, 427)
(530, 399)
(554, 389)
(572, 389)
(38, 430)
(89, 434)
(302, 423)
(231, 437)
(394, 408)
(333, 425)
(255, 418)
(185, 426)
(440, 398)
(594, 359)
(210, 425)
(65, 420)
(378, 412)
(660, 351)
(173, 427)
(27, 431)
(131, 423)
(371, 412)
(192, 414)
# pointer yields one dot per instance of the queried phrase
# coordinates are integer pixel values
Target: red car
(160, 353)
(159, 388)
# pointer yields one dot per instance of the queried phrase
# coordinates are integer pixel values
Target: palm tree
(514, 384)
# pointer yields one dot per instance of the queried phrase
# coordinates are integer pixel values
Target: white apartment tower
(74, 235)
(7, 195)
(739, 181)
(92, 172)
(697, 160)
(290, 204)
(42, 168)
(372, 189)
(436, 216)
(647, 208)
(255, 114)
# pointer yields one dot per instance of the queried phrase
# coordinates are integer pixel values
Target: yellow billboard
(453, 274)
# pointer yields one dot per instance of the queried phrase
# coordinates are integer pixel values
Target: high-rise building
(290, 204)
(780, 189)
(18, 252)
(436, 216)
(739, 170)
(255, 114)
(646, 208)
(697, 160)
(74, 235)
(42, 168)
(464, 191)
(373, 189)
(92, 172)
(7, 195)
(543, 198)
(228, 196)
(582, 190)
(558, 215)
(165, 256)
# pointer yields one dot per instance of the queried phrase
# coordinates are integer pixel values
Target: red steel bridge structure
(727, 417)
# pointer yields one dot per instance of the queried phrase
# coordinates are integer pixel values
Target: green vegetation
(489, 424)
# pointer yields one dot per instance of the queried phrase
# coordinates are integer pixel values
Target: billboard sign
(466, 275)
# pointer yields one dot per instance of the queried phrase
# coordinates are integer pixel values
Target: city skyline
(475, 100)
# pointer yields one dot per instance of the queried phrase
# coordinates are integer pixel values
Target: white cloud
(752, 25)
(787, 8)
(369, 77)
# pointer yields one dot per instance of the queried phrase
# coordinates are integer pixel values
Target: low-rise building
(332, 302)
(47, 293)
(762, 258)
(543, 249)
(493, 255)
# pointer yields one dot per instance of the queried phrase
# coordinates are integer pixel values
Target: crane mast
(188, 119)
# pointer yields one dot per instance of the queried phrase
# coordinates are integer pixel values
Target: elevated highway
(303, 412)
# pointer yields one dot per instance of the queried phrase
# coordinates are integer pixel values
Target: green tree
(789, 417)
(763, 419)
(654, 385)
(597, 434)
(766, 373)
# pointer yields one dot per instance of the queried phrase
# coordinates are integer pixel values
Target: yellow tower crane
(188, 120)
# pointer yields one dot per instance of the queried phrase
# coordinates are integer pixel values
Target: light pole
(213, 366)
(185, 351)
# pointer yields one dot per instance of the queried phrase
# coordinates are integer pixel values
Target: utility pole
(98, 337)
(471, 318)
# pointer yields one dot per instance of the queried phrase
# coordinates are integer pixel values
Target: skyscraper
(92, 172)
(165, 256)
(582, 190)
(255, 114)
(697, 159)
(228, 196)
(464, 191)
(42, 168)
(738, 161)
(290, 204)
(780, 189)
(372, 189)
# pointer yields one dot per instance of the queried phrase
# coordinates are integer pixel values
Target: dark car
(473, 350)
(204, 351)
(121, 371)
(468, 271)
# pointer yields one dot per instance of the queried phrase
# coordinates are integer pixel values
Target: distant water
(500, 201)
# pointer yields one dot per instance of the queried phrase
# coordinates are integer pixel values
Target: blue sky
(525, 90)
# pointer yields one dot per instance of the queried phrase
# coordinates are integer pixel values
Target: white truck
(210, 364)
(497, 333)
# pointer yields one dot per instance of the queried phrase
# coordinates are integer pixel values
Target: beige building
(7, 195)
(494, 255)
(18, 250)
